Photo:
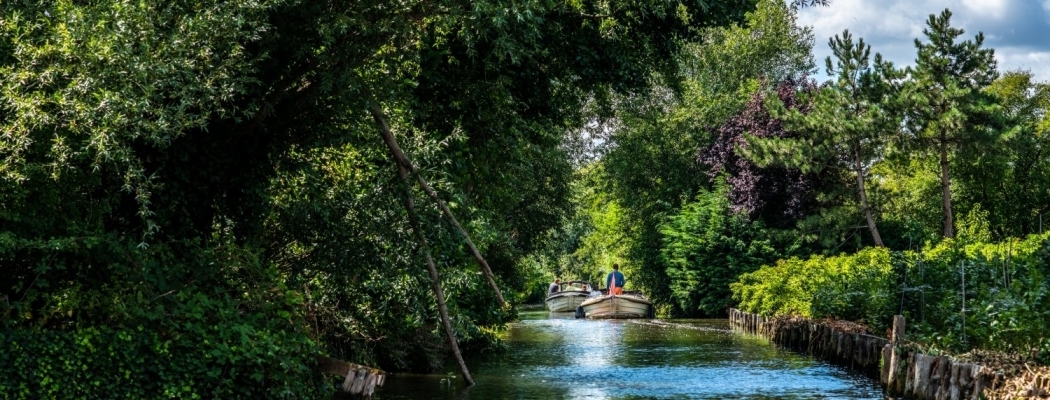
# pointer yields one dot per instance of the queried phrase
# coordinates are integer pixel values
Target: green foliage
(86, 86)
(911, 189)
(843, 130)
(983, 295)
(1006, 182)
(648, 166)
(853, 287)
(957, 294)
(188, 358)
(222, 325)
(728, 65)
(195, 166)
(706, 247)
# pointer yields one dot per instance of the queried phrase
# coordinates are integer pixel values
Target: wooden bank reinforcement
(904, 373)
(359, 381)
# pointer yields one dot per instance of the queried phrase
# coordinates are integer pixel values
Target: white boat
(571, 296)
(626, 305)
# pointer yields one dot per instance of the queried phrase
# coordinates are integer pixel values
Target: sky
(1018, 30)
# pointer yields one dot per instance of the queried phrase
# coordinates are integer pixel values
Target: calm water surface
(559, 357)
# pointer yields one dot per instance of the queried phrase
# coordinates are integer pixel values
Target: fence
(903, 372)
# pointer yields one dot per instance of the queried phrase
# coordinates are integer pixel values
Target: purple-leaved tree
(775, 195)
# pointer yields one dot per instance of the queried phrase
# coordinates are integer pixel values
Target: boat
(569, 297)
(630, 304)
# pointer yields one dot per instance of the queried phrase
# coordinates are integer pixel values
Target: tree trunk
(435, 284)
(946, 193)
(864, 198)
(404, 161)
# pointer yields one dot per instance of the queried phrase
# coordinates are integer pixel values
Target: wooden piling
(358, 380)
(894, 387)
(904, 374)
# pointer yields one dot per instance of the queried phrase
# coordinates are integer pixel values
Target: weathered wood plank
(359, 382)
(357, 379)
(884, 376)
(348, 381)
(370, 385)
(895, 357)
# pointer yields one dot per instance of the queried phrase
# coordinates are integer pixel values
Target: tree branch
(403, 161)
(435, 279)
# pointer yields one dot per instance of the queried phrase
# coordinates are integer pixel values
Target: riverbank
(531, 307)
(902, 370)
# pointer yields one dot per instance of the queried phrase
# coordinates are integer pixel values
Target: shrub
(957, 295)
(706, 247)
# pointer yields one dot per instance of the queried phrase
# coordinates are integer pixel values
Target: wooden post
(359, 382)
(909, 374)
(352, 374)
(348, 382)
(896, 340)
(922, 368)
(959, 381)
(979, 381)
(887, 354)
(370, 385)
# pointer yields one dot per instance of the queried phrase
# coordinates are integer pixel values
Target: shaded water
(559, 357)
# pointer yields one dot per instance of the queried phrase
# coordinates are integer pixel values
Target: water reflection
(559, 357)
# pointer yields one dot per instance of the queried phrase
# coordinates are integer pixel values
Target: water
(558, 357)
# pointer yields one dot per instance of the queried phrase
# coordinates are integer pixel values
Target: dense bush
(706, 247)
(957, 295)
(242, 357)
(855, 287)
(223, 326)
(982, 295)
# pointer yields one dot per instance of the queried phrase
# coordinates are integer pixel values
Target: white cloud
(1018, 30)
(1038, 62)
(989, 8)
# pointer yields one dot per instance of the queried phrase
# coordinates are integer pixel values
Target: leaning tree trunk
(404, 161)
(946, 189)
(864, 199)
(435, 284)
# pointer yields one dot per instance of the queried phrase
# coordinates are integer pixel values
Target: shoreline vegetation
(902, 367)
(957, 295)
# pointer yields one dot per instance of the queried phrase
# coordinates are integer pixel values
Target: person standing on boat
(554, 287)
(615, 280)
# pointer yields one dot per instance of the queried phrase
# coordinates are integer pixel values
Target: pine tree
(945, 106)
(846, 125)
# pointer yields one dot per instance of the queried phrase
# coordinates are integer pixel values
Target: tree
(779, 196)
(846, 126)
(706, 247)
(223, 152)
(946, 109)
(1009, 182)
(649, 159)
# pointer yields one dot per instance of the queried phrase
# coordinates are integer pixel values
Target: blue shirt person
(615, 279)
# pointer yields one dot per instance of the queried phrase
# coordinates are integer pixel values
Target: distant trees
(649, 164)
(1010, 181)
(877, 156)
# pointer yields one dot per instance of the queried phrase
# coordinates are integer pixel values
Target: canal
(559, 357)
